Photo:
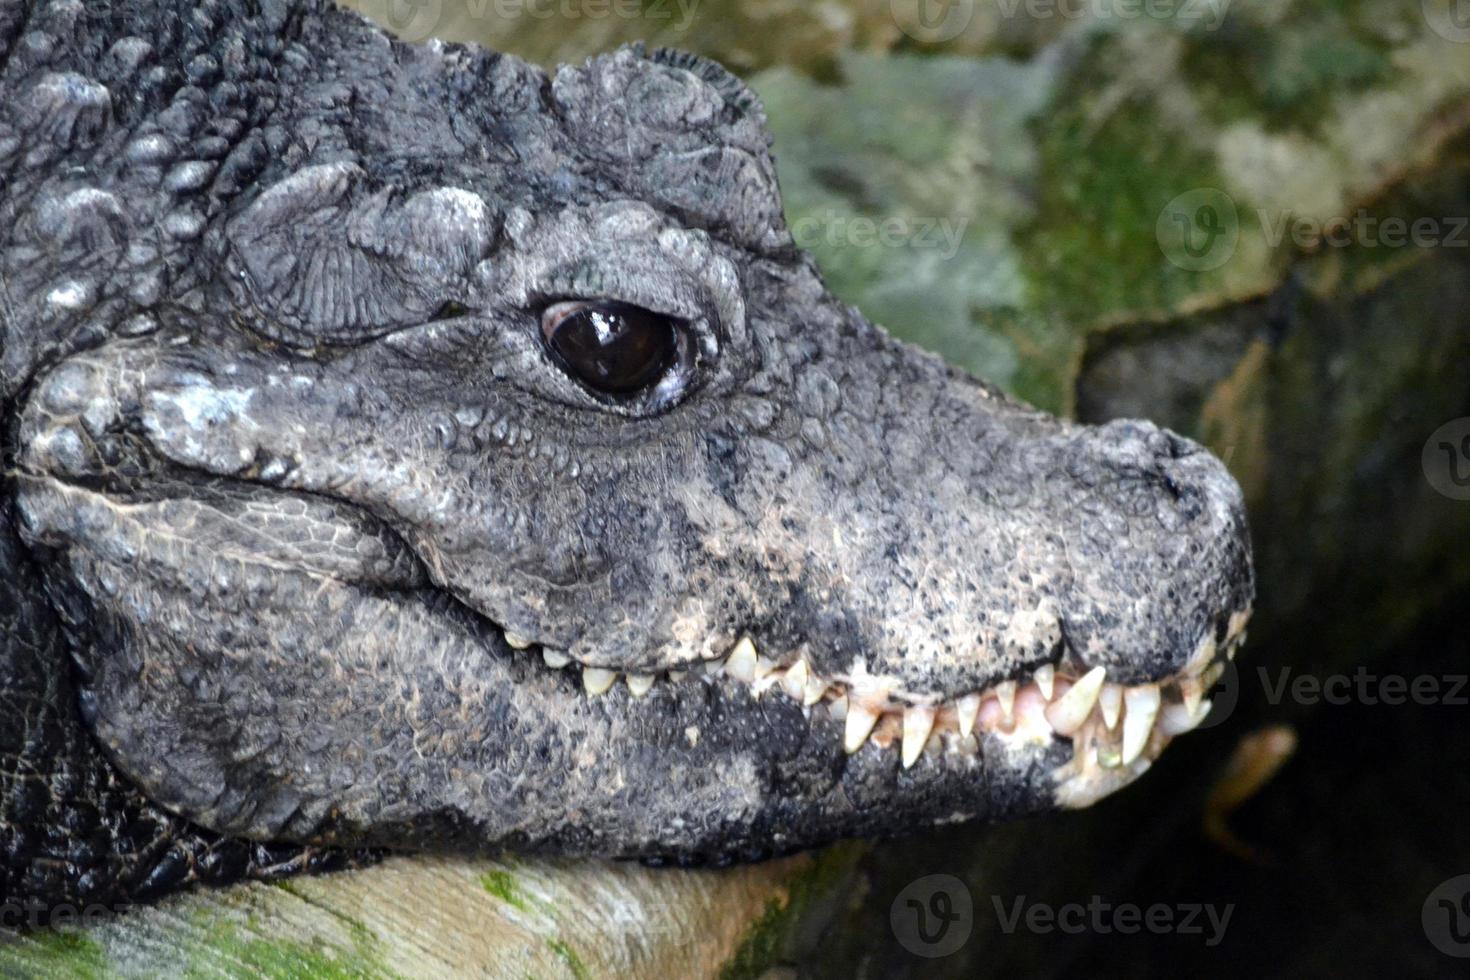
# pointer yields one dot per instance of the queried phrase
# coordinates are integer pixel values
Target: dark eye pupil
(613, 347)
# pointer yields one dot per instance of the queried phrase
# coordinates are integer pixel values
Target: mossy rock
(1073, 156)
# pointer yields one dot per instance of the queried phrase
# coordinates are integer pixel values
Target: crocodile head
(462, 457)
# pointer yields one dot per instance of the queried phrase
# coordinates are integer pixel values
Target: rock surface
(1014, 195)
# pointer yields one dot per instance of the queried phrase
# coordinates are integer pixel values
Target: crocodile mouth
(1116, 730)
(130, 498)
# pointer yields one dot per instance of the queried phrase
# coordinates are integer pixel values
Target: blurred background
(1244, 219)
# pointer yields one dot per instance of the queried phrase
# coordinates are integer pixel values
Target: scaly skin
(311, 543)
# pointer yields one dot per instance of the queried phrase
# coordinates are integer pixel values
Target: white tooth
(1176, 719)
(1005, 693)
(838, 708)
(714, 668)
(815, 688)
(516, 640)
(1046, 678)
(860, 721)
(1212, 674)
(968, 708)
(1138, 721)
(764, 667)
(596, 680)
(1111, 702)
(678, 675)
(794, 682)
(638, 684)
(1068, 713)
(555, 659)
(918, 722)
(741, 664)
(1192, 690)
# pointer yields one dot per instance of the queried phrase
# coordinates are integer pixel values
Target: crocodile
(410, 449)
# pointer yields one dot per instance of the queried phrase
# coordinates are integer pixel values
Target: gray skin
(288, 458)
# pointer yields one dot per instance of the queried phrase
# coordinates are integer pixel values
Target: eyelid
(557, 312)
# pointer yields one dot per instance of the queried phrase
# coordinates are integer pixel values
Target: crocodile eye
(612, 348)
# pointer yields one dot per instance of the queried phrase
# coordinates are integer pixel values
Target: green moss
(502, 884)
(1287, 73)
(1107, 173)
(68, 953)
(770, 935)
(569, 957)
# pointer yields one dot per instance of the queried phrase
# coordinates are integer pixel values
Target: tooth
(1176, 719)
(1192, 690)
(794, 683)
(815, 688)
(516, 640)
(1111, 702)
(1005, 693)
(1138, 721)
(678, 675)
(968, 708)
(1213, 673)
(918, 722)
(714, 667)
(1046, 677)
(596, 680)
(838, 708)
(555, 659)
(638, 684)
(1068, 713)
(764, 667)
(860, 721)
(741, 664)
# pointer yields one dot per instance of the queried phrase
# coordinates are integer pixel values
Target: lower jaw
(1115, 731)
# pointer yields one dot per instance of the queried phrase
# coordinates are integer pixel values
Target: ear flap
(735, 92)
(323, 256)
(679, 132)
